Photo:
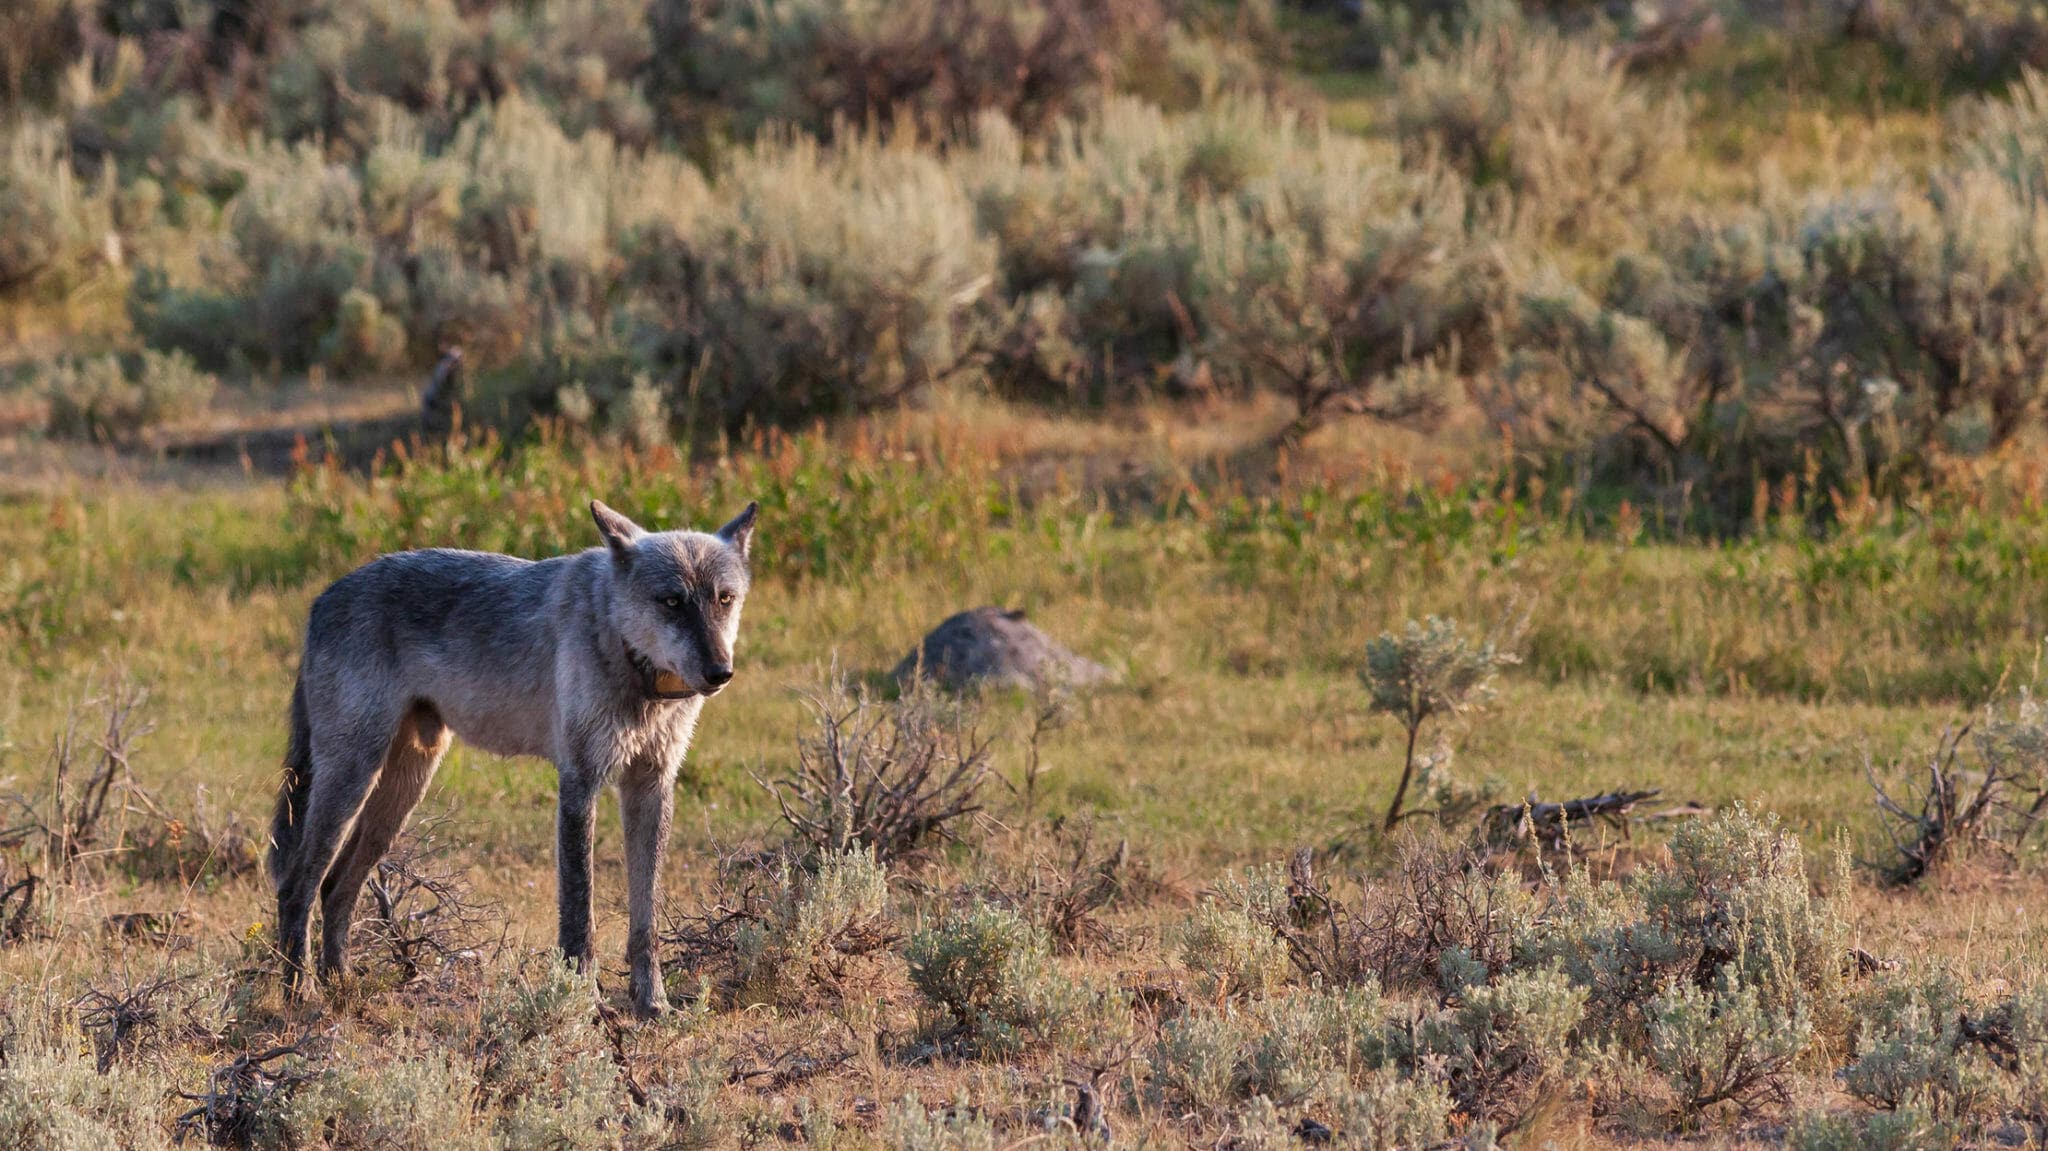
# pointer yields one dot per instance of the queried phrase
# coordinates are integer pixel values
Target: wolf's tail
(294, 789)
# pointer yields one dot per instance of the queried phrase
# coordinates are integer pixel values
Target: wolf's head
(676, 599)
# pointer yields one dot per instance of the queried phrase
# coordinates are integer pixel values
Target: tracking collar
(655, 682)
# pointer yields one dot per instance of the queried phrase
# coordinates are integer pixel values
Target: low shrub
(359, 1101)
(51, 1098)
(820, 282)
(992, 974)
(1552, 121)
(889, 777)
(1722, 1046)
(1502, 1044)
(1230, 952)
(820, 931)
(1310, 1046)
(1915, 1056)
(725, 66)
(54, 226)
(911, 1127)
(107, 398)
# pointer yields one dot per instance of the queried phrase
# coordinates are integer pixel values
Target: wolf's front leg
(646, 805)
(574, 821)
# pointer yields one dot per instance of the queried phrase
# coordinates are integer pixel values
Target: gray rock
(989, 645)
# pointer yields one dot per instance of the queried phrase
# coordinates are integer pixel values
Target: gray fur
(519, 658)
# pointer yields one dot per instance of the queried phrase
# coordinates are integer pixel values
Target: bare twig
(426, 914)
(884, 776)
(236, 1094)
(117, 1021)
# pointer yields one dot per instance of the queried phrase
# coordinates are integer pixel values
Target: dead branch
(118, 1021)
(884, 776)
(17, 905)
(1927, 829)
(1550, 823)
(235, 1095)
(427, 917)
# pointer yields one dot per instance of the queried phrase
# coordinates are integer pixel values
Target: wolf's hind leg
(346, 762)
(408, 767)
(575, 819)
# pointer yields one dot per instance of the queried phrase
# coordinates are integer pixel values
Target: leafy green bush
(836, 511)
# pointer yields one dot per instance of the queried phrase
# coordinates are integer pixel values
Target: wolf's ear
(740, 532)
(619, 532)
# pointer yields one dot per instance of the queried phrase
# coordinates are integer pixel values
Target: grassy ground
(1239, 731)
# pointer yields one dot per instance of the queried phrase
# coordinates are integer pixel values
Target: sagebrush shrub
(1196, 1058)
(1241, 245)
(1601, 936)
(1502, 1043)
(1907, 1130)
(357, 1100)
(1230, 952)
(1737, 889)
(105, 398)
(1426, 672)
(992, 973)
(821, 64)
(819, 926)
(1724, 1046)
(1312, 1042)
(909, 1126)
(1385, 1110)
(825, 281)
(1912, 1056)
(1342, 291)
(51, 1097)
(1553, 121)
(53, 225)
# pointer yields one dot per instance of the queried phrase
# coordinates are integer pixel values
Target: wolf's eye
(725, 599)
(671, 601)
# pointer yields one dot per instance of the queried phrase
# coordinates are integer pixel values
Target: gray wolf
(599, 661)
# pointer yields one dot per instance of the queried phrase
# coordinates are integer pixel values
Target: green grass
(1762, 670)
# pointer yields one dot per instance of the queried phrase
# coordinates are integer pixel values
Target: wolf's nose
(718, 675)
